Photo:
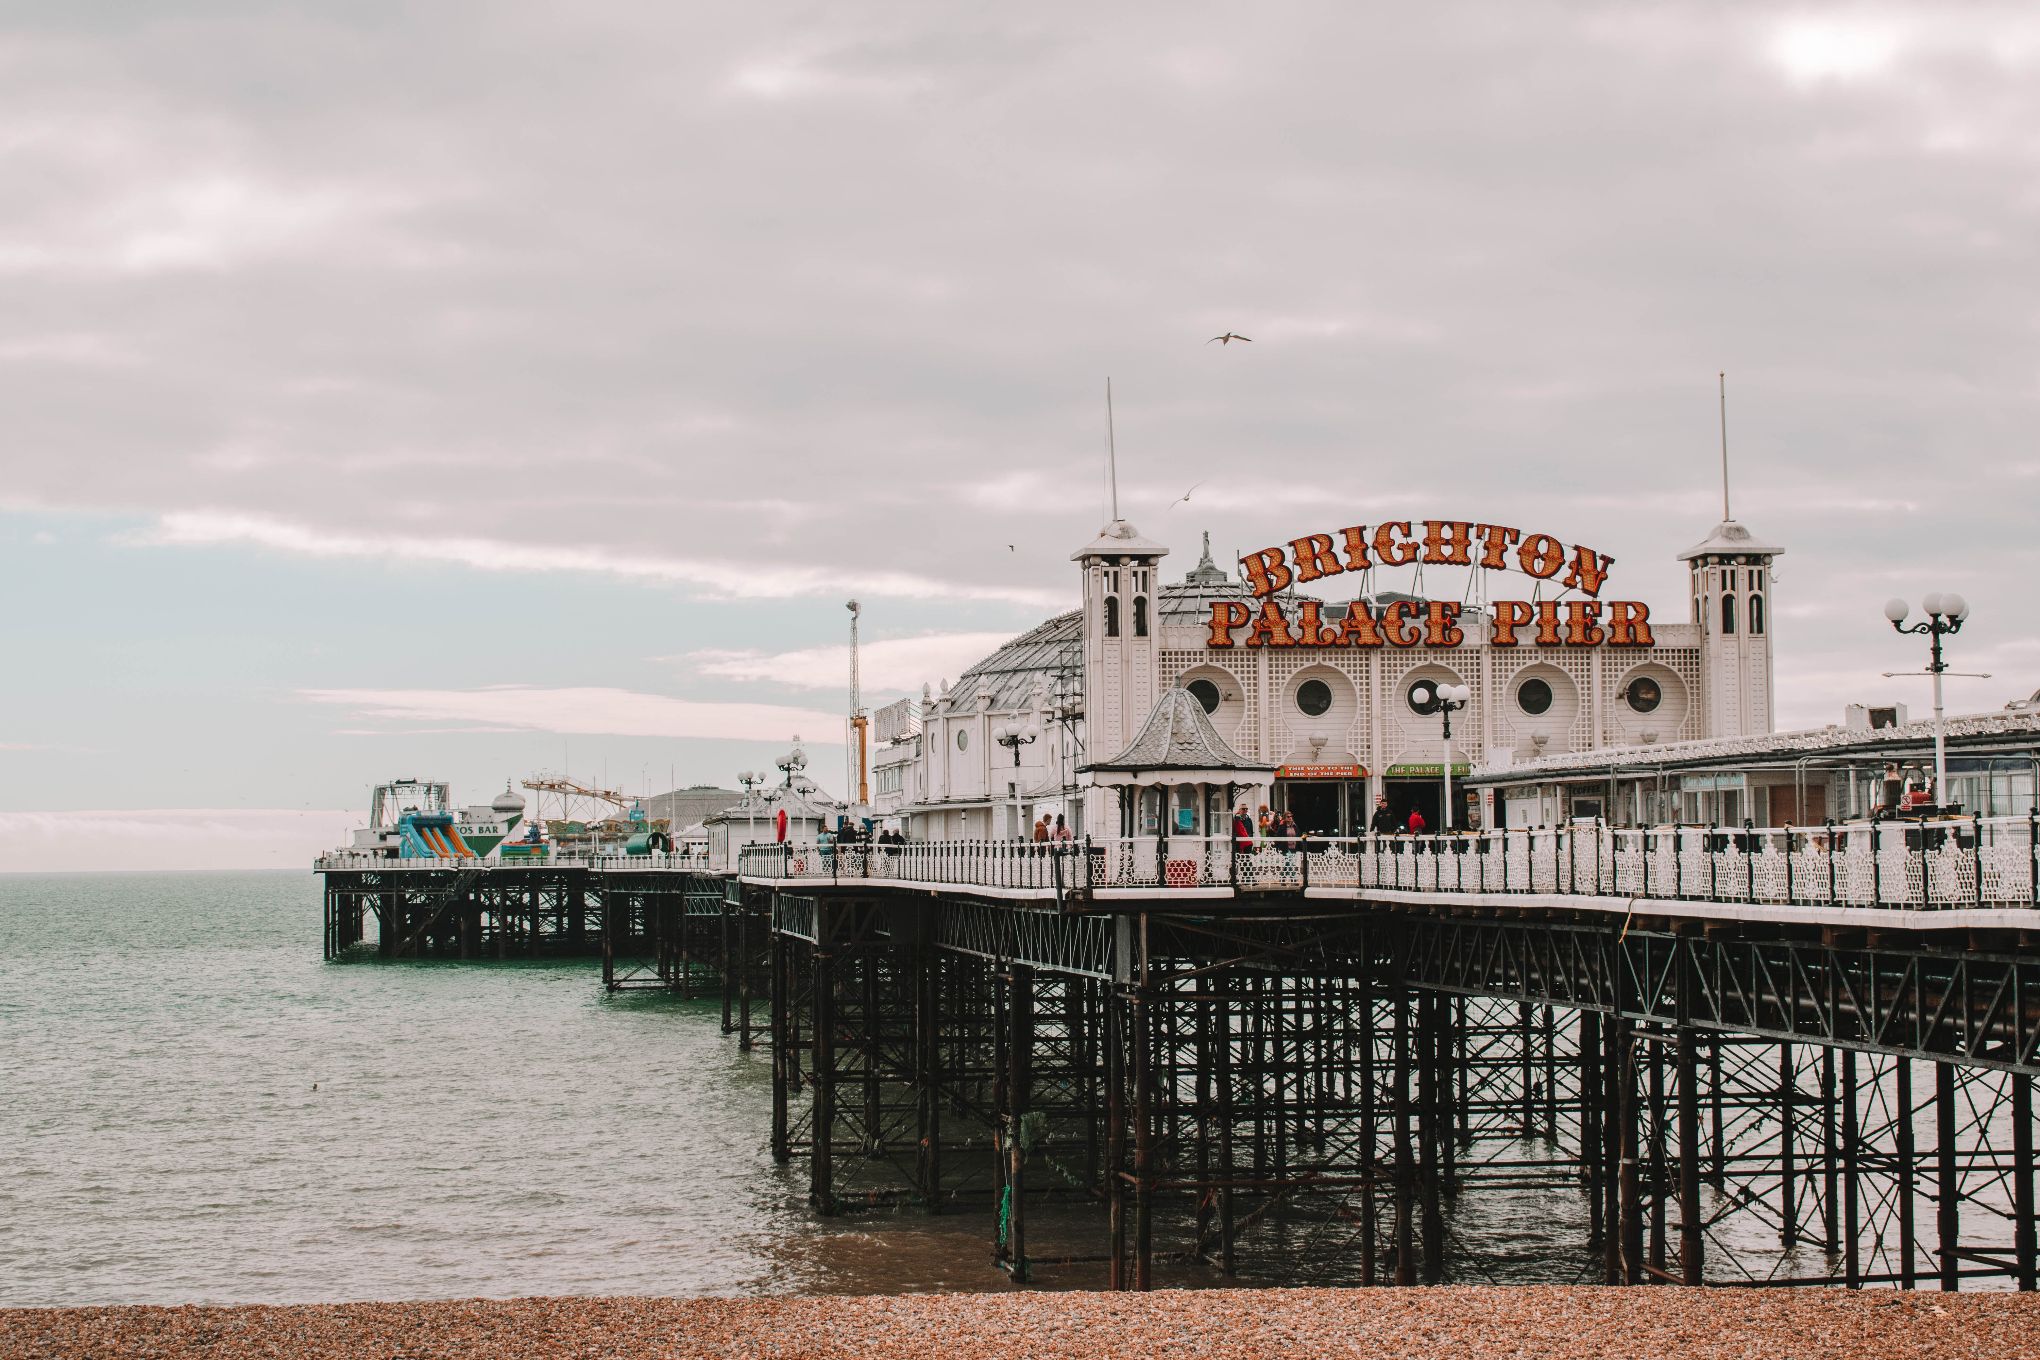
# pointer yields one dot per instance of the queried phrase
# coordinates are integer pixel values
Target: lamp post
(1013, 736)
(1451, 698)
(750, 779)
(1944, 615)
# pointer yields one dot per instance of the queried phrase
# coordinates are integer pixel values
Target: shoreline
(1443, 1321)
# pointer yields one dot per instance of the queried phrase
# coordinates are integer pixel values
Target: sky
(474, 391)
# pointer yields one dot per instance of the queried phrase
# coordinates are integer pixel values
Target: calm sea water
(194, 1107)
(483, 1130)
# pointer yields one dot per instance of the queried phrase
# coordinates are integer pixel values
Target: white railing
(1932, 864)
(587, 859)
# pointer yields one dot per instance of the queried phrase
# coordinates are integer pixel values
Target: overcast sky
(464, 390)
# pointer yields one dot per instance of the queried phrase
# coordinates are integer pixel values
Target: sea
(194, 1107)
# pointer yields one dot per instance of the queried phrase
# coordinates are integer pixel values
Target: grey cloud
(611, 274)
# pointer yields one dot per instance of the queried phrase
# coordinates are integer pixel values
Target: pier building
(1339, 698)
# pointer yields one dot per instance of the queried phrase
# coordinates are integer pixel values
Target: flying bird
(1229, 337)
(1011, 548)
(1186, 495)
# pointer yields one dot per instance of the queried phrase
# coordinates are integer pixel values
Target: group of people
(1047, 832)
(1274, 828)
(1279, 828)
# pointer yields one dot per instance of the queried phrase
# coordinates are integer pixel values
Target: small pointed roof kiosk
(1178, 747)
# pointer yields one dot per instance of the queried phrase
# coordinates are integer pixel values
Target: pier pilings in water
(1304, 1096)
(1274, 1090)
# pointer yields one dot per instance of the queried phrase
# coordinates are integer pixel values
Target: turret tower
(1731, 589)
(1121, 633)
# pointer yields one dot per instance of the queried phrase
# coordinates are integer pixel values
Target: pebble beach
(1798, 1324)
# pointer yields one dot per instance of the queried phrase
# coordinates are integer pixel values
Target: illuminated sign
(1589, 622)
(1321, 772)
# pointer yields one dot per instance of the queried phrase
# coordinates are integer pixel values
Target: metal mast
(860, 722)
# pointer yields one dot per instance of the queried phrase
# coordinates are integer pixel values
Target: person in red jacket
(1242, 830)
(1417, 824)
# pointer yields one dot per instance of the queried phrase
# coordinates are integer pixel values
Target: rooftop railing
(1934, 864)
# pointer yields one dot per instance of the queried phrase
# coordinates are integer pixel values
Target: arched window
(1111, 616)
(1140, 616)
(1728, 614)
(1756, 614)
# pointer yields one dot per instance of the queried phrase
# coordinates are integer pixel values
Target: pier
(1755, 1055)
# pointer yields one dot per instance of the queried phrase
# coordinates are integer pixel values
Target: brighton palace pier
(1317, 708)
(1691, 986)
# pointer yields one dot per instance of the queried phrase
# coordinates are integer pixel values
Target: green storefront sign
(1434, 770)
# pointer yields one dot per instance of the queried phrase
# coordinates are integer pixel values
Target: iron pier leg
(928, 1060)
(1019, 1077)
(1907, 1171)
(1116, 1007)
(1431, 1134)
(1947, 1185)
(822, 1068)
(1658, 1177)
(1592, 1140)
(780, 1039)
(1143, 1122)
(1788, 1141)
(1690, 1225)
(1370, 1149)
(2025, 1250)
(1830, 1155)
(1405, 1170)
(742, 963)
(1628, 1121)
(1852, 1155)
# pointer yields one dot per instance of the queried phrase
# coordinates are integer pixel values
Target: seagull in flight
(1186, 495)
(1228, 338)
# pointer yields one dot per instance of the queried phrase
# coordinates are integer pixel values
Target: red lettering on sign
(1441, 624)
(1226, 615)
(1394, 620)
(1314, 557)
(1509, 616)
(1271, 629)
(1582, 624)
(1495, 542)
(1448, 543)
(1266, 571)
(1541, 556)
(1390, 551)
(1629, 624)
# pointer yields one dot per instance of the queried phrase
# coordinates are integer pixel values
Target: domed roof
(1730, 539)
(507, 801)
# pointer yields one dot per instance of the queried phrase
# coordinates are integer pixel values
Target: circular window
(1313, 697)
(962, 738)
(1533, 696)
(1206, 694)
(1423, 697)
(1644, 694)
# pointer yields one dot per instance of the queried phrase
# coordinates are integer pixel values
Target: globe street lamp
(1451, 698)
(1013, 736)
(1944, 615)
(750, 779)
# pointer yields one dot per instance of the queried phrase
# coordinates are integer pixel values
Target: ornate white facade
(1338, 722)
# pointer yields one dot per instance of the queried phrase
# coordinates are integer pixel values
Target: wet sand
(1526, 1321)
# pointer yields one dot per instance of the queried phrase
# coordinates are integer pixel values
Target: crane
(860, 721)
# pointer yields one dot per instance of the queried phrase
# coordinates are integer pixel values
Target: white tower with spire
(1122, 637)
(1731, 589)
